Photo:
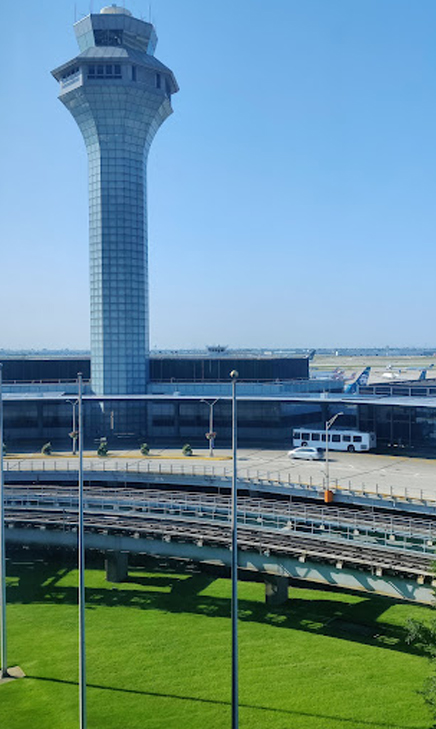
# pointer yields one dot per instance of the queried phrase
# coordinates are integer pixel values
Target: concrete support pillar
(116, 565)
(276, 589)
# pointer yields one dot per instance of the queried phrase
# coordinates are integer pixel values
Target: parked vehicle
(307, 453)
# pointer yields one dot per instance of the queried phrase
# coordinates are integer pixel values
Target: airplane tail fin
(361, 380)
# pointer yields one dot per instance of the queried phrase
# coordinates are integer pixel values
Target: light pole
(73, 434)
(211, 435)
(235, 703)
(4, 664)
(328, 425)
(82, 647)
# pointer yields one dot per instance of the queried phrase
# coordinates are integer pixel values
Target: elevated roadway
(270, 477)
(388, 554)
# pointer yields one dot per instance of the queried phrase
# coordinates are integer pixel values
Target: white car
(307, 452)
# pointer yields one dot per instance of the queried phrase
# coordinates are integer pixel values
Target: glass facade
(217, 369)
(164, 369)
(173, 421)
(118, 112)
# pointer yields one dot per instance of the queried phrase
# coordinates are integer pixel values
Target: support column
(276, 589)
(116, 566)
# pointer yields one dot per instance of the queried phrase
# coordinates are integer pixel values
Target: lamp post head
(330, 422)
(234, 374)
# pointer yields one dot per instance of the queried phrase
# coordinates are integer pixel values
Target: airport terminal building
(275, 396)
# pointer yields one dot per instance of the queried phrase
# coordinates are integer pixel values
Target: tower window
(133, 73)
(71, 72)
(108, 37)
(167, 87)
(104, 72)
(158, 81)
(71, 75)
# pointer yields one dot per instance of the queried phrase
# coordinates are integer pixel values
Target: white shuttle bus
(339, 440)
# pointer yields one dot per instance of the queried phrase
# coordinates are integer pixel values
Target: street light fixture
(328, 425)
(234, 562)
(211, 435)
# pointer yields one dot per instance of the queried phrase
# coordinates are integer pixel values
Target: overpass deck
(372, 541)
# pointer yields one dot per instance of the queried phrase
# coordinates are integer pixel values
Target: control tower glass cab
(119, 94)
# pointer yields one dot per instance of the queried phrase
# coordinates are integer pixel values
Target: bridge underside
(277, 569)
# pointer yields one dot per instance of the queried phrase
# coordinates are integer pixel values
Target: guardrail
(393, 533)
(219, 472)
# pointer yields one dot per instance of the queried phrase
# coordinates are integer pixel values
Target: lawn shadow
(342, 721)
(346, 620)
(31, 578)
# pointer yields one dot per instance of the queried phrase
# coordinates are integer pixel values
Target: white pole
(209, 435)
(235, 702)
(4, 664)
(73, 434)
(74, 427)
(82, 647)
(211, 429)
(328, 425)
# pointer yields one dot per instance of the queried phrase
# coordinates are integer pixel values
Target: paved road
(354, 469)
(346, 469)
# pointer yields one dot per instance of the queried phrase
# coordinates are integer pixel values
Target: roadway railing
(221, 474)
(396, 534)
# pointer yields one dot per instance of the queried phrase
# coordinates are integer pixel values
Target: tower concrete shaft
(119, 94)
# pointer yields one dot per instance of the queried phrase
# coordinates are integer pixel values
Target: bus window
(305, 436)
(323, 437)
(336, 438)
(346, 438)
(357, 438)
(296, 435)
(315, 436)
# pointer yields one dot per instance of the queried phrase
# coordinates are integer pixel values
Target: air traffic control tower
(119, 94)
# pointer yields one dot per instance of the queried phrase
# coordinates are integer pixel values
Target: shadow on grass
(220, 702)
(39, 582)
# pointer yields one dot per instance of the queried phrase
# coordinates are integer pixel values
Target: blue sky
(291, 194)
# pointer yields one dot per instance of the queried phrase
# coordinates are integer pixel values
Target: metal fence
(218, 473)
(395, 533)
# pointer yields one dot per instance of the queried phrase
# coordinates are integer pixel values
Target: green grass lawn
(158, 655)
